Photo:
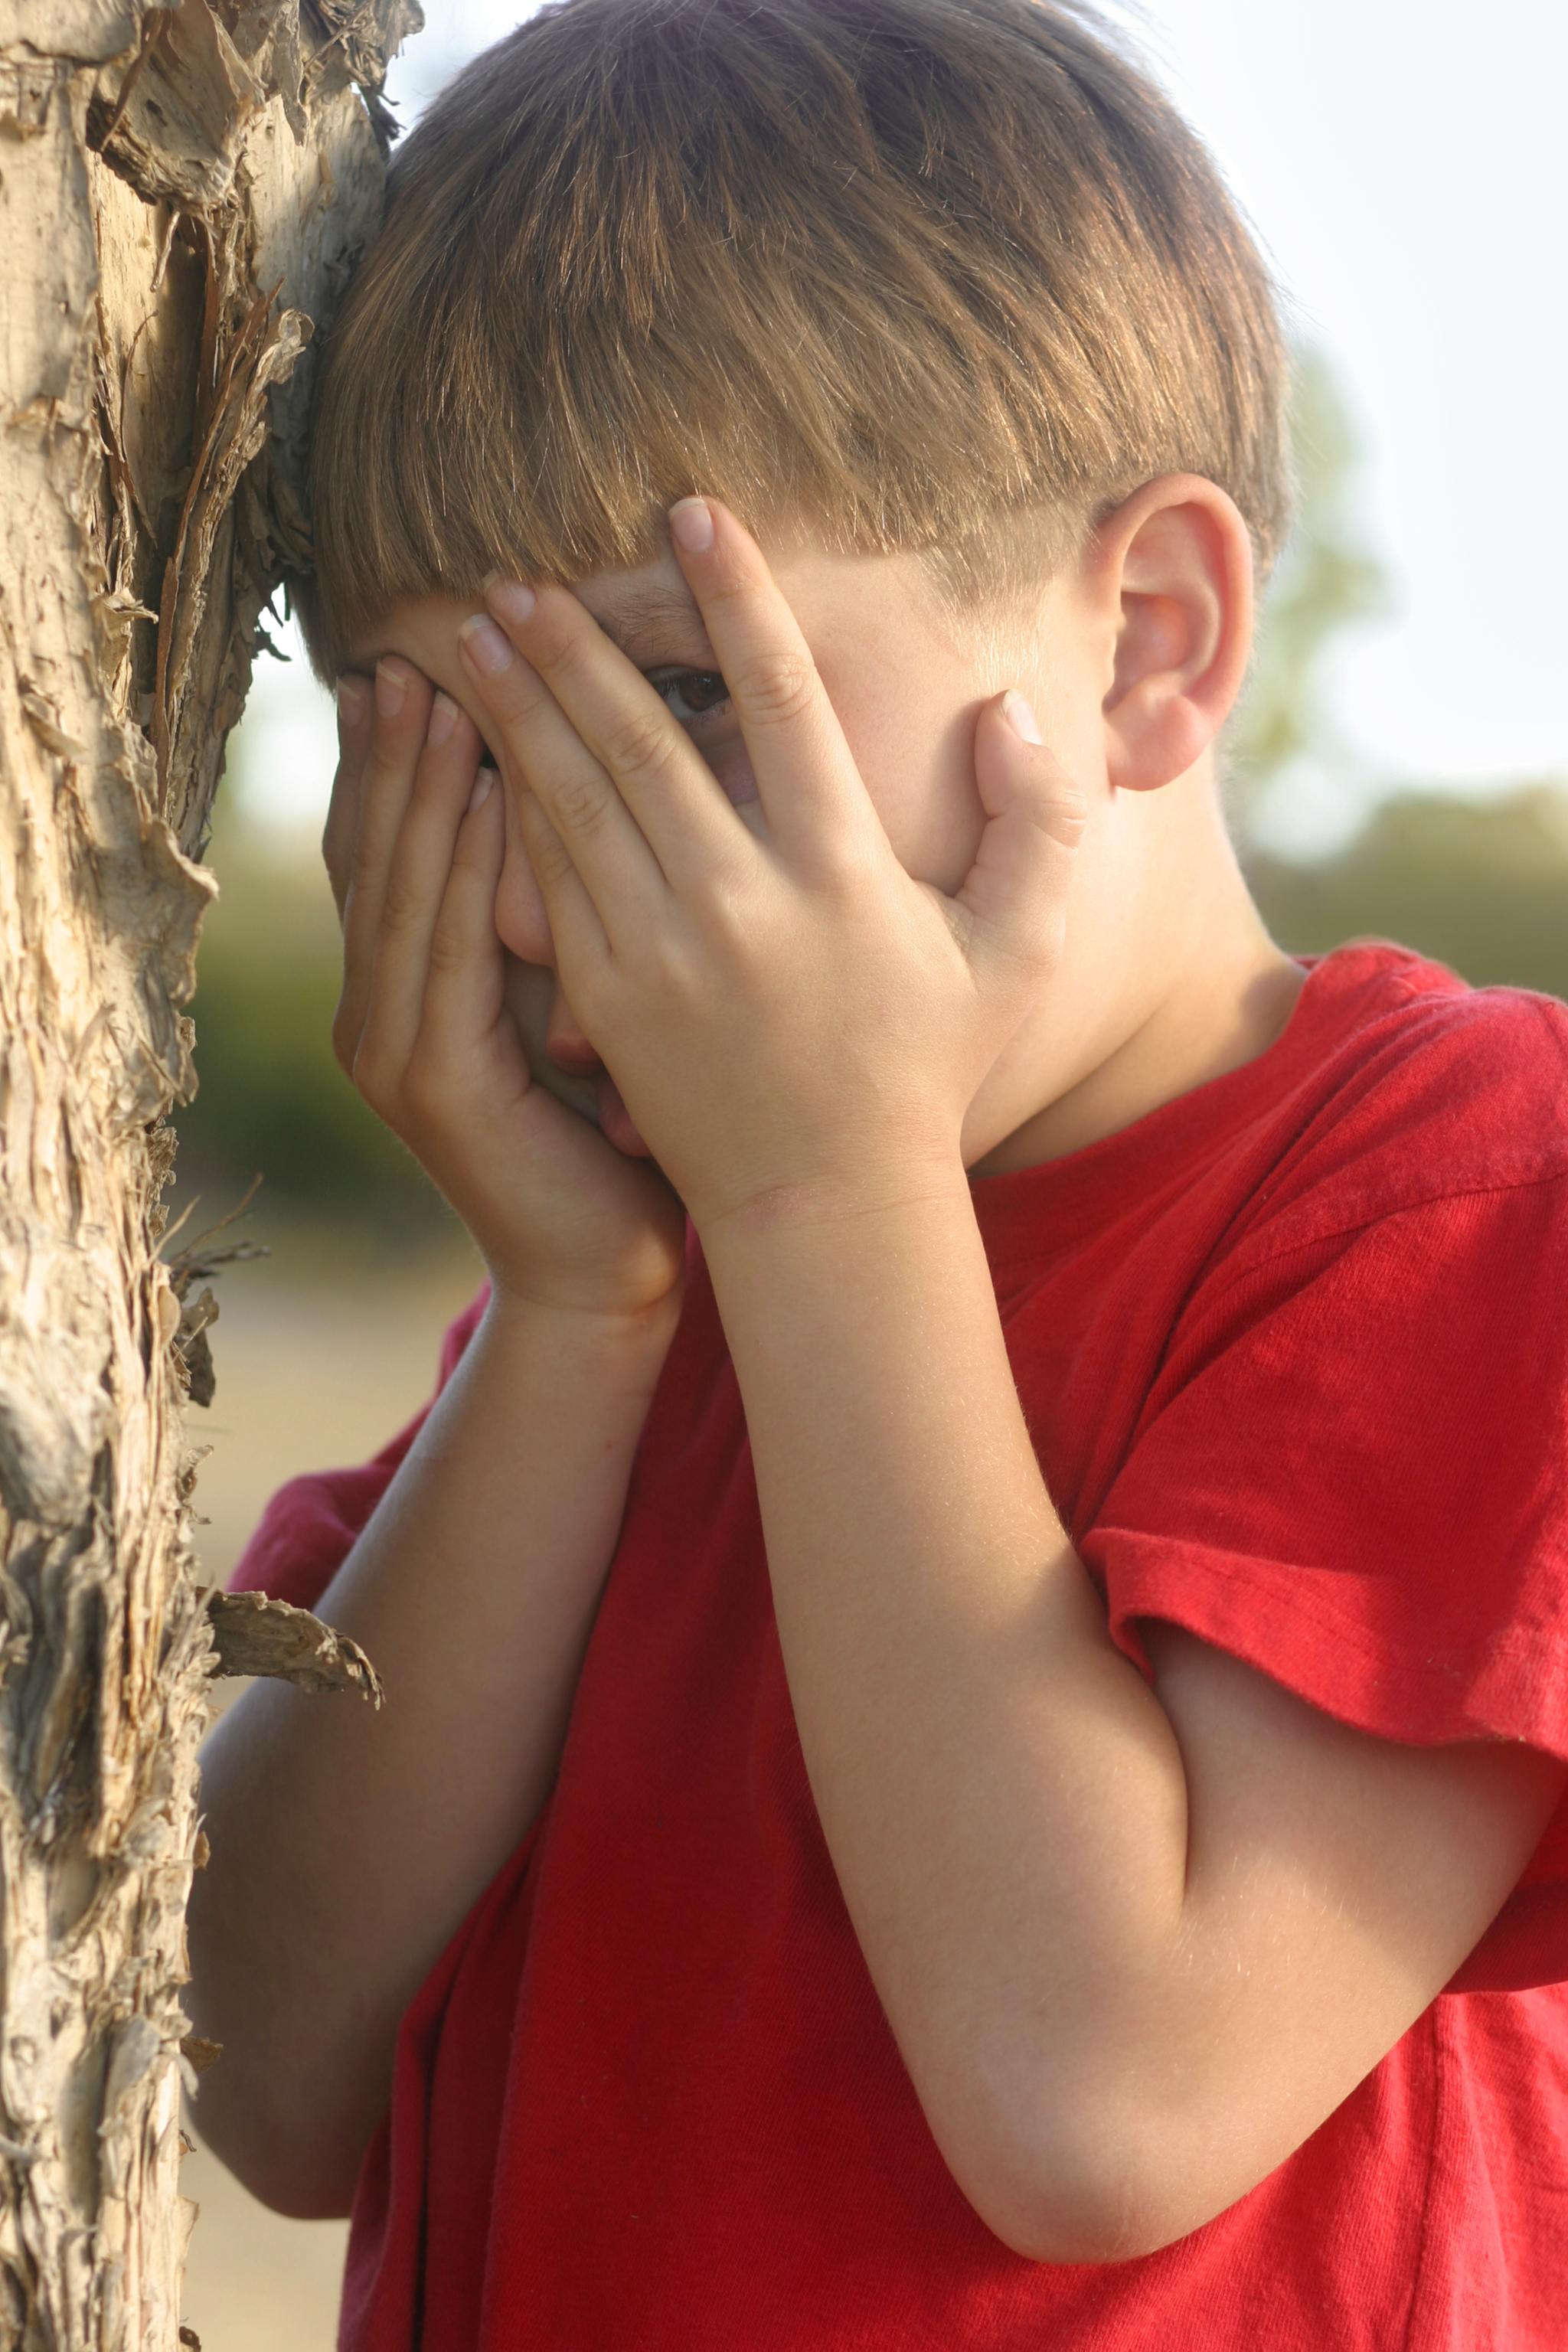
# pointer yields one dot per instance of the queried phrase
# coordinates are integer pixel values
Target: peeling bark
(255, 1635)
(182, 191)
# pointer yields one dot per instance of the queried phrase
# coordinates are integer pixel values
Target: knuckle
(449, 949)
(367, 1068)
(776, 686)
(639, 746)
(1066, 820)
(388, 770)
(859, 868)
(554, 647)
(580, 803)
(732, 589)
(363, 866)
(548, 860)
(432, 786)
(400, 908)
(424, 1088)
(516, 695)
(731, 909)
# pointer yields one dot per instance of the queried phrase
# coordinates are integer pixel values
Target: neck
(1223, 995)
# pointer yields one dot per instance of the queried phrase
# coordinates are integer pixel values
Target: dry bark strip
(254, 1634)
(182, 191)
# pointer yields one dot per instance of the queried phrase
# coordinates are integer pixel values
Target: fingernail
(481, 791)
(692, 525)
(442, 718)
(510, 599)
(353, 700)
(485, 645)
(391, 689)
(1021, 719)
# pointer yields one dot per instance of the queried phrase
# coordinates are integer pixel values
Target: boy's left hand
(793, 1021)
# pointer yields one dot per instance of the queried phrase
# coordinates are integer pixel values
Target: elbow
(1103, 2184)
(298, 2185)
(1052, 2215)
(291, 2161)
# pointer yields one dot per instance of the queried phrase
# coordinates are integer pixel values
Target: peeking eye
(691, 693)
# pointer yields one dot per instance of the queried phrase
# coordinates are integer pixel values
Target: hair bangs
(895, 269)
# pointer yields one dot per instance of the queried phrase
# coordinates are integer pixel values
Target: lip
(615, 1121)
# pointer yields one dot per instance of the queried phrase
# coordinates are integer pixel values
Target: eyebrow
(638, 620)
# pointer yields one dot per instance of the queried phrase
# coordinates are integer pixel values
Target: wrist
(519, 1322)
(817, 1258)
(887, 1195)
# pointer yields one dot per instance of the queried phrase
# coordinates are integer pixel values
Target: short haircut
(899, 269)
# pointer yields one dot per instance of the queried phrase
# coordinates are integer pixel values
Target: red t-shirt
(1295, 1352)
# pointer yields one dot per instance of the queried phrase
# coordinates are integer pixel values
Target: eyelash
(662, 683)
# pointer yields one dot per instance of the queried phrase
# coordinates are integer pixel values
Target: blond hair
(903, 268)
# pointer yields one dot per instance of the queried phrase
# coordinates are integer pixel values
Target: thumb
(1015, 894)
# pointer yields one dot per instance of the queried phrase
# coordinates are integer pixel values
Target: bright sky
(1397, 159)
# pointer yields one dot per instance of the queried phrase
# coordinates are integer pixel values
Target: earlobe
(1175, 561)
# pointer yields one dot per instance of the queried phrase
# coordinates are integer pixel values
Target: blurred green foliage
(1326, 580)
(272, 1100)
(1482, 886)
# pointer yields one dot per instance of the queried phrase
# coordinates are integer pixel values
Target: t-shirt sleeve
(310, 1525)
(1353, 1474)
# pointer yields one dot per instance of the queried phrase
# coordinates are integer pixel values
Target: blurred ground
(322, 1351)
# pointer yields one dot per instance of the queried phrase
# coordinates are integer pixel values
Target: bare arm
(1135, 1945)
(347, 1846)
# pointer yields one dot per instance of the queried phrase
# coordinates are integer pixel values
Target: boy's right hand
(414, 844)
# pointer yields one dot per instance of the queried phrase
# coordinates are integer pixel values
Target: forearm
(1002, 1794)
(1135, 1944)
(348, 1845)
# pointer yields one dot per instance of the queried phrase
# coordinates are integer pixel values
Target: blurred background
(1400, 766)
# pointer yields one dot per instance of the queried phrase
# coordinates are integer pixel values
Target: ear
(1174, 571)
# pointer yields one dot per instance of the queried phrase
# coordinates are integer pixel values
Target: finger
(678, 806)
(581, 942)
(608, 852)
(462, 998)
(397, 730)
(520, 917)
(422, 857)
(812, 794)
(354, 696)
(1013, 901)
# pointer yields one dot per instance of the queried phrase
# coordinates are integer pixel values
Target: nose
(524, 929)
(521, 919)
(565, 1044)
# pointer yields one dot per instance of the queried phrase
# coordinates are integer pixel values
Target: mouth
(615, 1121)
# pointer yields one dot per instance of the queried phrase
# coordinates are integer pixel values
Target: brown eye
(691, 692)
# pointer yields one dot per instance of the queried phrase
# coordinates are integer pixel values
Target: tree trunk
(182, 191)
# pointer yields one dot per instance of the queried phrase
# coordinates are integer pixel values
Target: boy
(976, 1637)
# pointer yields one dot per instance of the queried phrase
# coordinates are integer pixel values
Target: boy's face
(906, 679)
